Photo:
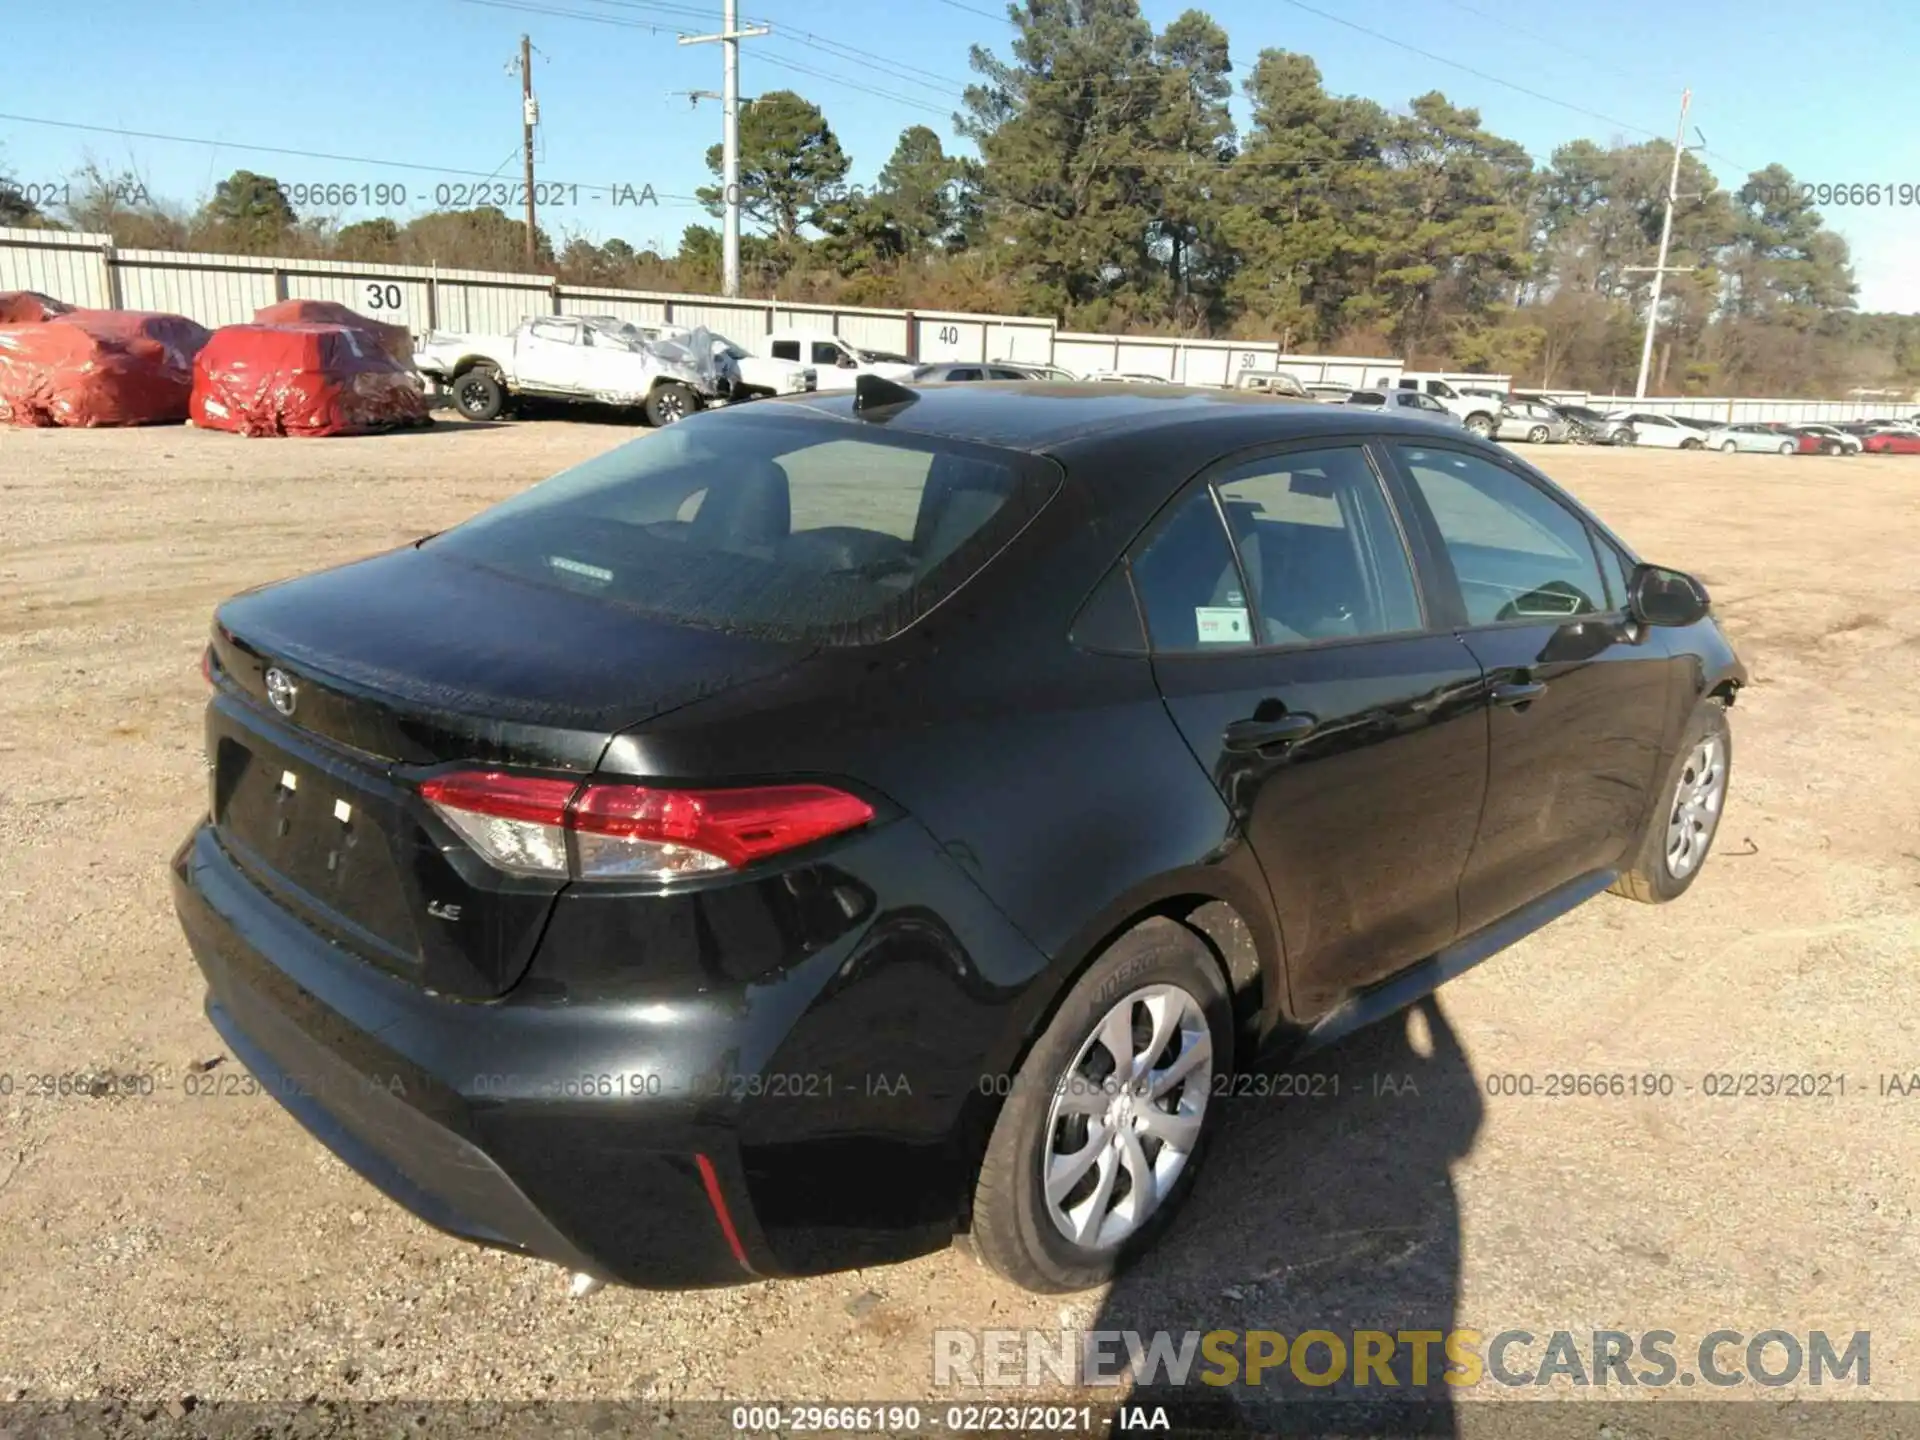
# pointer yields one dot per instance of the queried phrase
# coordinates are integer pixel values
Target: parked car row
(670, 371)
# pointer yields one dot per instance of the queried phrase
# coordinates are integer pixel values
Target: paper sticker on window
(1222, 625)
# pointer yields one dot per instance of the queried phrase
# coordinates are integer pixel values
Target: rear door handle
(1518, 692)
(1264, 734)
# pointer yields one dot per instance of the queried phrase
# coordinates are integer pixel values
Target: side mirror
(1658, 596)
(846, 362)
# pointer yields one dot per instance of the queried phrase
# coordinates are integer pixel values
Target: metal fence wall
(85, 269)
(1210, 362)
(1731, 409)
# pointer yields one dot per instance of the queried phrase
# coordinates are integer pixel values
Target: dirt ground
(160, 1246)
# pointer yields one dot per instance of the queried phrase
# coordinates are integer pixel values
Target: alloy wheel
(1127, 1116)
(472, 397)
(1697, 799)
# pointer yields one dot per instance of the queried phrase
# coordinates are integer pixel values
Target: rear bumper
(445, 1106)
(774, 1078)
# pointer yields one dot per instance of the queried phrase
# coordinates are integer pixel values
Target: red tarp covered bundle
(98, 367)
(393, 339)
(302, 380)
(29, 307)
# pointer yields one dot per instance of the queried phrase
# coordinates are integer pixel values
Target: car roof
(1050, 416)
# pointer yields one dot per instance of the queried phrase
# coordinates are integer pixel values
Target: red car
(1891, 442)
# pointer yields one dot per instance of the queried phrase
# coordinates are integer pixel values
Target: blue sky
(1826, 90)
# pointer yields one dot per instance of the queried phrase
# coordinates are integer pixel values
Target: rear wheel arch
(1222, 930)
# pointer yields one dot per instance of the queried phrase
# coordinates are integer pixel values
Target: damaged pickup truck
(593, 359)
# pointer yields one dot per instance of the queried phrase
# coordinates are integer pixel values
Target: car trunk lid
(338, 693)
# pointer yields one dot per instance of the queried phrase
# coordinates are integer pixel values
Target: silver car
(1405, 402)
(1756, 438)
(1533, 422)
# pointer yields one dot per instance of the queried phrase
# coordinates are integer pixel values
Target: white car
(1660, 432)
(1127, 377)
(1751, 437)
(836, 363)
(568, 357)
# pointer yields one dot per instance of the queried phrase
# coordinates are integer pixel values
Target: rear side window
(786, 349)
(1189, 585)
(788, 528)
(1320, 548)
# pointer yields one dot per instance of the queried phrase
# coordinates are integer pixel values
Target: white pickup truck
(836, 362)
(750, 376)
(567, 357)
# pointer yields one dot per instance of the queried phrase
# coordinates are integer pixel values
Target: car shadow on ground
(1331, 1210)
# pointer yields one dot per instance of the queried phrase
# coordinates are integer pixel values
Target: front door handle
(1519, 692)
(1264, 734)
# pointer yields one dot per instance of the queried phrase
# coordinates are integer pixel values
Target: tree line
(1113, 190)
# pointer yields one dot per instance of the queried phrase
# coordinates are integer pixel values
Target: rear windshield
(785, 526)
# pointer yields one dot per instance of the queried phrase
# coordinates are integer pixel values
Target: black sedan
(826, 827)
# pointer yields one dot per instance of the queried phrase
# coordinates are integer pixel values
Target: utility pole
(529, 117)
(1660, 268)
(729, 38)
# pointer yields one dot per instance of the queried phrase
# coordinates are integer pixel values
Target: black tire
(1651, 879)
(1787, 447)
(1013, 1231)
(1729, 448)
(1481, 425)
(1828, 447)
(1693, 444)
(671, 401)
(1626, 437)
(478, 393)
(1538, 435)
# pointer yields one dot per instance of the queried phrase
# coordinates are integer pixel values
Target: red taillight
(509, 797)
(521, 823)
(206, 665)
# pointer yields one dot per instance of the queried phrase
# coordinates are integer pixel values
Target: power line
(973, 10)
(575, 15)
(1560, 45)
(1470, 70)
(855, 84)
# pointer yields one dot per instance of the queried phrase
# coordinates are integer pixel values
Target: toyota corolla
(829, 827)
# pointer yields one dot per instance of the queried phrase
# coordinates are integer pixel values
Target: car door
(1345, 728)
(550, 358)
(1579, 692)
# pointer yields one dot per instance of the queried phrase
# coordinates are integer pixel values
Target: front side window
(788, 527)
(1613, 565)
(1518, 553)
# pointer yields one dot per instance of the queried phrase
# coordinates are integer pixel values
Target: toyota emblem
(281, 690)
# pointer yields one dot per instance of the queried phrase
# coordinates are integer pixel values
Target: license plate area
(324, 834)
